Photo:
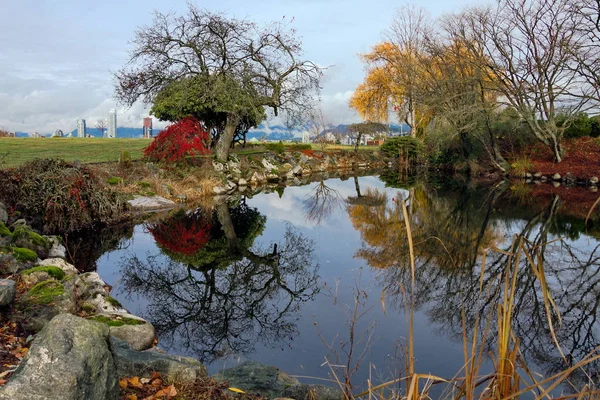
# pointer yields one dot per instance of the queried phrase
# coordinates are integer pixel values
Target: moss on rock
(113, 302)
(24, 232)
(22, 254)
(51, 270)
(4, 231)
(117, 321)
(44, 292)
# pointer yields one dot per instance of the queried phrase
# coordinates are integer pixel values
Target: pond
(300, 278)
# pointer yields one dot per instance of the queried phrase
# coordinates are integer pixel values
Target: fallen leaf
(135, 382)
(157, 382)
(123, 383)
(145, 380)
(2, 381)
(131, 397)
(236, 390)
(155, 375)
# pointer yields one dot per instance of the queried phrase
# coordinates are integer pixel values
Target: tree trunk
(357, 187)
(557, 150)
(224, 217)
(226, 138)
(358, 135)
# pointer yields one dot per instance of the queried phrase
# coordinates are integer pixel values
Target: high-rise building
(112, 123)
(81, 127)
(148, 127)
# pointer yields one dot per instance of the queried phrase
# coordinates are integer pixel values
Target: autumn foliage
(185, 138)
(183, 234)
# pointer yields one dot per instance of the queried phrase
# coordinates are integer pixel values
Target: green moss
(4, 231)
(117, 321)
(44, 292)
(26, 233)
(113, 302)
(88, 307)
(22, 254)
(114, 180)
(67, 278)
(51, 270)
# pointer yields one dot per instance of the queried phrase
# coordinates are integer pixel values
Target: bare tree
(101, 125)
(530, 45)
(235, 68)
(318, 125)
(588, 54)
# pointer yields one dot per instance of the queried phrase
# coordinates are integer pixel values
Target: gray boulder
(7, 291)
(142, 363)
(150, 203)
(306, 392)
(256, 378)
(139, 337)
(69, 360)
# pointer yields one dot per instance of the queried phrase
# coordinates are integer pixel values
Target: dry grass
(511, 377)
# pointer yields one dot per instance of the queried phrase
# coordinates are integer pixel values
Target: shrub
(114, 180)
(60, 196)
(521, 165)
(276, 147)
(125, 159)
(299, 146)
(406, 145)
(185, 138)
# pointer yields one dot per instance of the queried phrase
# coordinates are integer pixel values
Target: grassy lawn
(16, 151)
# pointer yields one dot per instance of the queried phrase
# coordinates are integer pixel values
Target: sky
(57, 58)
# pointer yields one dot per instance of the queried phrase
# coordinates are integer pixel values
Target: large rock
(9, 265)
(142, 363)
(44, 302)
(152, 203)
(256, 378)
(305, 392)
(139, 336)
(57, 250)
(91, 289)
(8, 289)
(69, 360)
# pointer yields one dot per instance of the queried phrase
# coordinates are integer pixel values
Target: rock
(230, 186)
(556, 177)
(594, 180)
(142, 363)
(9, 265)
(242, 182)
(91, 289)
(297, 170)
(69, 359)
(268, 165)
(138, 337)
(219, 190)
(594, 189)
(543, 178)
(42, 303)
(256, 378)
(3, 213)
(537, 175)
(68, 269)
(272, 177)
(151, 203)
(528, 175)
(8, 289)
(57, 250)
(257, 178)
(320, 392)
(217, 166)
(556, 184)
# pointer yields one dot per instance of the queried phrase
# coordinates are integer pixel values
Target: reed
(511, 378)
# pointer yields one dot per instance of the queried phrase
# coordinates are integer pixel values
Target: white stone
(144, 203)
(68, 269)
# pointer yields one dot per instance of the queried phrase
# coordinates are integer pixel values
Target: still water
(278, 278)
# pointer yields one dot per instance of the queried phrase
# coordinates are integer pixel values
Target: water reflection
(453, 228)
(217, 294)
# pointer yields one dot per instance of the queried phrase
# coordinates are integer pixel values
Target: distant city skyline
(81, 131)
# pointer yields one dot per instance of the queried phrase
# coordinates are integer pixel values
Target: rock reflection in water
(453, 228)
(216, 294)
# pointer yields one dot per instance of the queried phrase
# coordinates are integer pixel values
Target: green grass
(16, 151)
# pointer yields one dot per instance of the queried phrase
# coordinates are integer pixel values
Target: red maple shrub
(183, 234)
(185, 138)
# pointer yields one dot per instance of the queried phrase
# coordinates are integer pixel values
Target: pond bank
(65, 323)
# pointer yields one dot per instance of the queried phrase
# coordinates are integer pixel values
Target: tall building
(81, 128)
(112, 123)
(148, 127)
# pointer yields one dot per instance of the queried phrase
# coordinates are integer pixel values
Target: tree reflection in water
(321, 203)
(451, 229)
(224, 297)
